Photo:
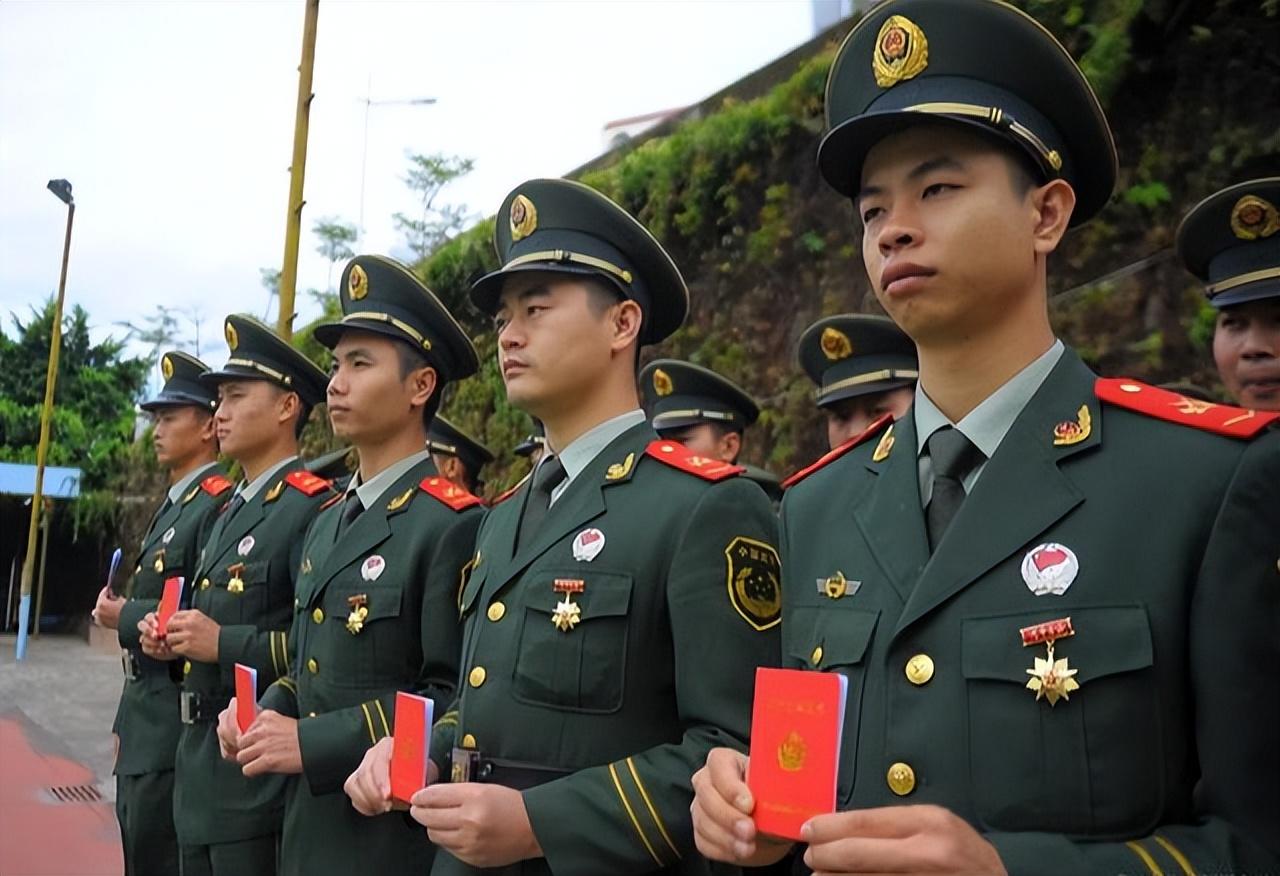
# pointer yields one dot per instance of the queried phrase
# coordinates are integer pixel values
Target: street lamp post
(369, 103)
(62, 189)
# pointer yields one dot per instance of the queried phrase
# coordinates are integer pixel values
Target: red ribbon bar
(1047, 631)
(569, 585)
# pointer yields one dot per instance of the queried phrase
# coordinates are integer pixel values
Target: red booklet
(796, 723)
(169, 601)
(246, 696)
(410, 745)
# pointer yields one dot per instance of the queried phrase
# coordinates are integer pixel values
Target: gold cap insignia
(357, 283)
(524, 218)
(835, 344)
(233, 337)
(662, 384)
(1253, 218)
(901, 51)
(1067, 432)
(792, 752)
(166, 368)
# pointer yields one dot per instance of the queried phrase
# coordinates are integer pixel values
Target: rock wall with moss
(1190, 87)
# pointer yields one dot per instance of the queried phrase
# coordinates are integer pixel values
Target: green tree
(93, 418)
(336, 237)
(427, 177)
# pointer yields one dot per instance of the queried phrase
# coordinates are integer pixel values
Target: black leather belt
(472, 766)
(197, 707)
(136, 666)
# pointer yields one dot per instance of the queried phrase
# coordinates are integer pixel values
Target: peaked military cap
(1231, 242)
(258, 353)
(445, 437)
(535, 440)
(979, 63)
(381, 295)
(182, 386)
(564, 226)
(678, 394)
(850, 354)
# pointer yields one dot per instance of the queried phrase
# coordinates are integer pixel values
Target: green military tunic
(607, 655)
(244, 582)
(1158, 542)
(147, 718)
(376, 612)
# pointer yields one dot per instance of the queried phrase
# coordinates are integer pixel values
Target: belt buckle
(466, 765)
(129, 663)
(185, 702)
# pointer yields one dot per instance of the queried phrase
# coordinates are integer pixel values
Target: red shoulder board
(510, 491)
(449, 493)
(1176, 408)
(215, 485)
(676, 455)
(837, 452)
(307, 483)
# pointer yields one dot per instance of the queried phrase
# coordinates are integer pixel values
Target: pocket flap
(601, 594)
(843, 634)
(1108, 640)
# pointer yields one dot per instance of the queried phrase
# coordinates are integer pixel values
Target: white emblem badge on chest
(588, 544)
(246, 545)
(372, 567)
(168, 535)
(1050, 568)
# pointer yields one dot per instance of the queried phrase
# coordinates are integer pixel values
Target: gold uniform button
(901, 778)
(186, 667)
(497, 611)
(477, 676)
(469, 741)
(204, 585)
(311, 714)
(816, 657)
(920, 669)
(318, 616)
(312, 666)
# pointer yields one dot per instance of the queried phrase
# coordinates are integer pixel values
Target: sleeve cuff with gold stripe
(642, 814)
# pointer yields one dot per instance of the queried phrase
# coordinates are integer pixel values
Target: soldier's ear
(1052, 204)
(627, 320)
(422, 384)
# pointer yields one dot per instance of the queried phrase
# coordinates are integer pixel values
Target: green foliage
(94, 398)
(428, 176)
(1150, 195)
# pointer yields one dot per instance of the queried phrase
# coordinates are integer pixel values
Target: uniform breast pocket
(832, 638)
(241, 592)
(371, 645)
(172, 561)
(573, 641)
(1091, 763)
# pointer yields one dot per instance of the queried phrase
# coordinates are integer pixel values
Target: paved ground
(56, 709)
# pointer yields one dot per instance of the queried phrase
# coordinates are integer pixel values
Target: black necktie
(236, 503)
(548, 476)
(351, 509)
(953, 456)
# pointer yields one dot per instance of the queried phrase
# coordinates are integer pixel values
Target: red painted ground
(39, 837)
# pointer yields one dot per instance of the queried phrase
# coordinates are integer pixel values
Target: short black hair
(411, 359)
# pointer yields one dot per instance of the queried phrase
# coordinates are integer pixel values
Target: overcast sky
(174, 122)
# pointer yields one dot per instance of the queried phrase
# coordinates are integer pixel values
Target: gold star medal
(568, 612)
(1051, 678)
(236, 584)
(359, 611)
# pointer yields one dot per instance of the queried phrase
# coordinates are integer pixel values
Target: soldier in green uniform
(1050, 593)
(376, 607)
(241, 598)
(457, 456)
(617, 606)
(706, 412)
(1231, 242)
(146, 724)
(864, 367)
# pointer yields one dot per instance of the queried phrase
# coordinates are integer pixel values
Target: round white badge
(588, 544)
(372, 567)
(1050, 568)
(246, 545)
